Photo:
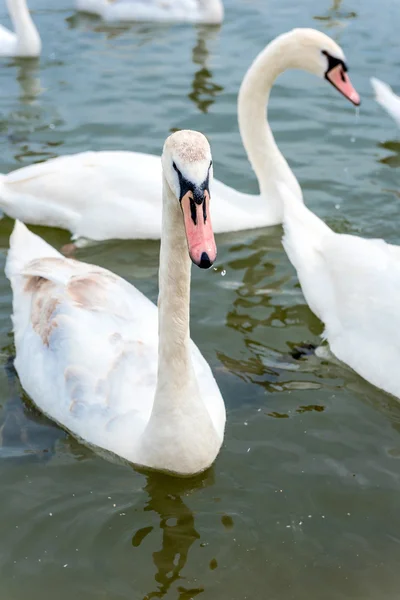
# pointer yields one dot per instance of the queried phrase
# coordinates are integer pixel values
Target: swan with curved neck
(192, 11)
(25, 42)
(79, 192)
(99, 364)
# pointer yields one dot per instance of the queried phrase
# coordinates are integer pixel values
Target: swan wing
(142, 10)
(86, 344)
(385, 96)
(98, 195)
(353, 285)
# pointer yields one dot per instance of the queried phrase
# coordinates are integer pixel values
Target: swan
(88, 350)
(385, 96)
(25, 42)
(352, 284)
(103, 195)
(192, 11)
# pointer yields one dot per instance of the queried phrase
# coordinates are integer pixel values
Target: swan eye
(334, 62)
(175, 167)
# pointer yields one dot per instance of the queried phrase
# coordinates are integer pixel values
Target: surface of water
(302, 502)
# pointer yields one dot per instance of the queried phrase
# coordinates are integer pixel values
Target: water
(302, 502)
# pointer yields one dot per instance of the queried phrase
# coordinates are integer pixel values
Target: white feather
(385, 96)
(353, 285)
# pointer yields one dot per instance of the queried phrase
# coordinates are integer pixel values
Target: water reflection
(178, 530)
(268, 298)
(392, 160)
(144, 31)
(204, 90)
(28, 77)
(334, 15)
(30, 121)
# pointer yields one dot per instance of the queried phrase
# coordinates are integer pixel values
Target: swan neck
(175, 370)
(180, 436)
(29, 43)
(263, 153)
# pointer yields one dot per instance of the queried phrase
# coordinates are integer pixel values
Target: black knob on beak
(205, 262)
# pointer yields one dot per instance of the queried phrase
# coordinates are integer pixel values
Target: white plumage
(192, 11)
(25, 42)
(353, 285)
(90, 356)
(385, 96)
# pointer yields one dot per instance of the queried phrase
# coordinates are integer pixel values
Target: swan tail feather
(385, 96)
(26, 247)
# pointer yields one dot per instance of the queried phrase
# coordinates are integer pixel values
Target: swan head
(320, 55)
(187, 168)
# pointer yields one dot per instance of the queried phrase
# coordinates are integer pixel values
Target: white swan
(102, 195)
(385, 96)
(192, 11)
(353, 285)
(25, 42)
(87, 348)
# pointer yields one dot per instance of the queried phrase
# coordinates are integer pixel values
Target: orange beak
(199, 232)
(338, 77)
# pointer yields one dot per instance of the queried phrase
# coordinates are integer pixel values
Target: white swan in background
(353, 285)
(385, 96)
(89, 350)
(103, 195)
(25, 42)
(192, 11)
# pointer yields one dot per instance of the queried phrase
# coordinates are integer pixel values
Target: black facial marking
(198, 193)
(193, 212)
(333, 62)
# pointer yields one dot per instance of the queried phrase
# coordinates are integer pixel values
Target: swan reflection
(204, 90)
(334, 16)
(178, 527)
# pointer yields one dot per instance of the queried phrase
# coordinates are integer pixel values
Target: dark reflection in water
(178, 530)
(393, 160)
(334, 15)
(258, 307)
(204, 90)
(142, 32)
(28, 72)
(29, 126)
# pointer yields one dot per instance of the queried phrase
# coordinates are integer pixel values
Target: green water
(302, 502)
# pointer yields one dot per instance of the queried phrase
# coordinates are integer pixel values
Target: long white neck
(264, 155)
(174, 361)
(29, 43)
(180, 435)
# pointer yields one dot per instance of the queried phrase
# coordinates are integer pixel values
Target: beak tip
(205, 262)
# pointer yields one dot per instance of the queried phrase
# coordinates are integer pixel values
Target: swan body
(385, 96)
(353, 285)
(80, 192)
(192, 11)
(25, 42)
(103, 195)
(94, 355)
